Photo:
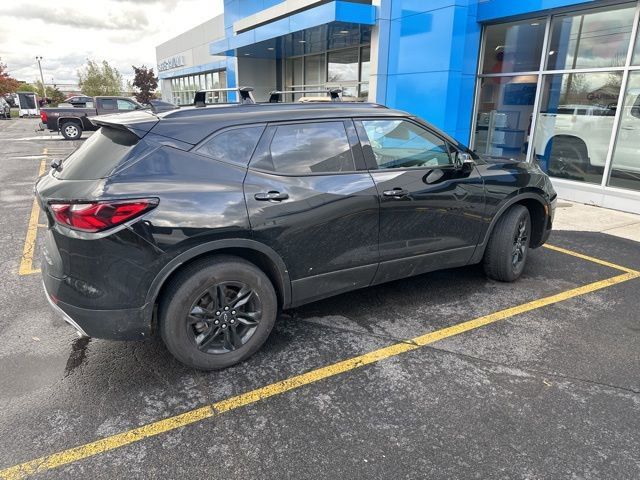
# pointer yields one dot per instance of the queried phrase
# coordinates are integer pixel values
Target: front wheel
(71, 130)
(217, 312)
(506, 253)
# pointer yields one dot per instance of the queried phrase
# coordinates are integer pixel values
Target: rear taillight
(98, 216)
(43, 117)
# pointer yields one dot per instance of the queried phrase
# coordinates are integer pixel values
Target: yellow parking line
(590, 259)
(106, 444)
(26, 261)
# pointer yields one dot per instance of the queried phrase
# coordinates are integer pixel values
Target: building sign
(170, 63)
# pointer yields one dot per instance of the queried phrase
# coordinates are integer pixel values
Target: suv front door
(310, 199)
(430, 208)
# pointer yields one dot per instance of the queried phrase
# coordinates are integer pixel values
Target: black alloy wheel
(224, 318)
(217, 312)
(506, 254)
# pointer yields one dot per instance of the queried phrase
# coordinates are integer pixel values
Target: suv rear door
(310, 198)
(430, 210)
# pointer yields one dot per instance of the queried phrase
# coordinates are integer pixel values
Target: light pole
(44, 90)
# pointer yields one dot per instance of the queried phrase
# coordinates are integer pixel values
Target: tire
(71, 130)
(568, 158)
(508, 248)
(196, 298)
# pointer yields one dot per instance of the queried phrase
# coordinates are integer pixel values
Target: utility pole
(44, 90)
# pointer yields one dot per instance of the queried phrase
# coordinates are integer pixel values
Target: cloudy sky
(67, 32)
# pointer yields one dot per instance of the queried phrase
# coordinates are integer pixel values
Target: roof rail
(246, 97)
(334, 93)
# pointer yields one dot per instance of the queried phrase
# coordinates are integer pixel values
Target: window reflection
(636, 54)
(625, 167)
(598, 39)
(575, 123)
(504, 115)
(513, 47)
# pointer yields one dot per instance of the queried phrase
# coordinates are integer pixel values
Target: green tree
(145, 81)
(8, 84)
(28, 87)
(53, 94)
(99, 79)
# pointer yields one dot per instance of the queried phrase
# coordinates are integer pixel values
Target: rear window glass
(235, 145)
(99, 155)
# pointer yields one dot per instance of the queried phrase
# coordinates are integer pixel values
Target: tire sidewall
(68, 137)
(519, 268)
(174, 313)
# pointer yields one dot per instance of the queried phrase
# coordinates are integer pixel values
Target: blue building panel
(433, 50)
(337, 11)
(492, 10)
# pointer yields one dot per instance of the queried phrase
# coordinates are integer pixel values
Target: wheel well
(62, 121)
(260, 260)
(538, 219)
(580, 143)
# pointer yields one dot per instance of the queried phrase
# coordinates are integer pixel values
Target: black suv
(201, 223)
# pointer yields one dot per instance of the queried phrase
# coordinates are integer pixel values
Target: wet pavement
(550, 393)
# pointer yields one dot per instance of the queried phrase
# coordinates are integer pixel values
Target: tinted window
(311, 148)
(235, 146)
(99, 155)
(402, 144)
(107, 104)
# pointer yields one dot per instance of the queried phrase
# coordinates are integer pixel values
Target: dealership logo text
(173, 62)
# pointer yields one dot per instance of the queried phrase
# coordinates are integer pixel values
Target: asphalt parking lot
(446, 375)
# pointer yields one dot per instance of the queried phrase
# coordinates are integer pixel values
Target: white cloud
(122, 32)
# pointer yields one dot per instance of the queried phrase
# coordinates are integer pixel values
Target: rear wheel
(568, 158)
(217, 312)
(506, 253)
(71, 130)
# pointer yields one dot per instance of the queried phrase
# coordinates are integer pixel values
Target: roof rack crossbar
(246, 95)
(276, 95)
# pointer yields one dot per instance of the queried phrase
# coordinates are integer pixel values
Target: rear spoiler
(246, 95)
(138, 122)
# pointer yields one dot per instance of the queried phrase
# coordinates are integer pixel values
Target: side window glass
(107, 104)
(125, 105)
(306, 148)
(402, 144)
(234, 146)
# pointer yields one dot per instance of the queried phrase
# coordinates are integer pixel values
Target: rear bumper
(122, 324)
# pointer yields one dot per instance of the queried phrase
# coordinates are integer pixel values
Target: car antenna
(246, 95)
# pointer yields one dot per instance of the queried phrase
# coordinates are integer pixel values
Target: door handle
(627, 128)
(270, 196)
(396, 193)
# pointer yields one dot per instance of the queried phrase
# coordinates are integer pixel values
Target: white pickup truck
(574, 140)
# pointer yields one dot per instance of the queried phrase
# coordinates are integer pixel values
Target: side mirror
(463, 160)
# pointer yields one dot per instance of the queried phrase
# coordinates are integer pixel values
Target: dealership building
(552, 80)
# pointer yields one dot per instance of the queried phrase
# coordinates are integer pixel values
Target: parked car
(5, 109)
(574, 139)
(200, 224)
(79, 100)
(72, 121)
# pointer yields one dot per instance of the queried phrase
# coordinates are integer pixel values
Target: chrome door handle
(270, 196)
(396, 193)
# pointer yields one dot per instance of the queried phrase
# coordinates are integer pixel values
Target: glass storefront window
(575, 123)
(503, 121)
(343, 65)
(314, 70)
(513, 47)
(625, 166)
(184, 88)
(590, 40)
